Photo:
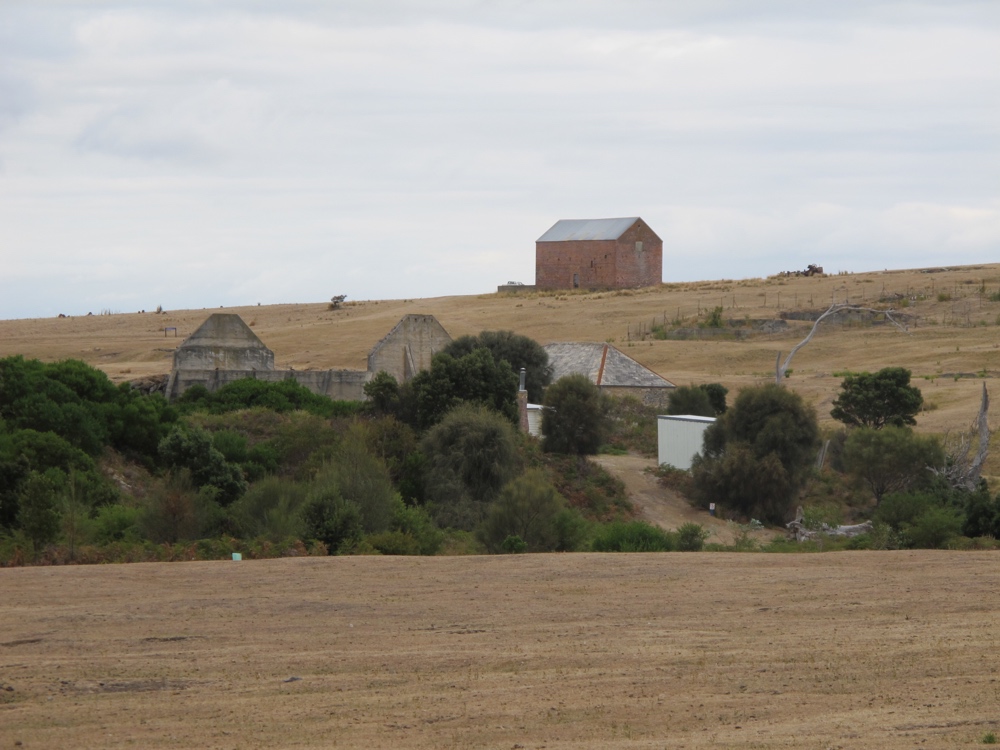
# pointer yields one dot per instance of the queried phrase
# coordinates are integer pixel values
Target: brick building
(598, 254)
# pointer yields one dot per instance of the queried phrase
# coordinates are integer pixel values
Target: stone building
(225, 342)
(610, 369)
(598, 254)
(224, 349)
(408, 347)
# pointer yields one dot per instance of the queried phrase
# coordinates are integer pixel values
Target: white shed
(679, 438)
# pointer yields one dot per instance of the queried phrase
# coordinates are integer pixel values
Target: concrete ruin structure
(598, 254)
(224, 349)
(409, 347)
(223, 342)
(610, 369)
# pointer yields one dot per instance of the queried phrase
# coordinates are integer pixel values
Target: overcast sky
(189, 153)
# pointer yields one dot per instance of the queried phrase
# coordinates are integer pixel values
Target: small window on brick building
(576, 281)
(638, 246)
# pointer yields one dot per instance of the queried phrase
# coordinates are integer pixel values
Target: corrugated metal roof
(565, 230)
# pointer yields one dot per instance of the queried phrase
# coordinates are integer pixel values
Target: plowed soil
(706, 650)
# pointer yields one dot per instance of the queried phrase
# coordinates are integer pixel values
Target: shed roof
(686, 418)
(603, 364)
(566, 230)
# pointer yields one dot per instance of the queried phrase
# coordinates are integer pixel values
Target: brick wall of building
(636, 268)
(593, 262)
(601, 264)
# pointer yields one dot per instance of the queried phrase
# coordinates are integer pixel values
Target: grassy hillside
(952, 345)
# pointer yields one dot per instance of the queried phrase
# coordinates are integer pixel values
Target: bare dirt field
(679, 650)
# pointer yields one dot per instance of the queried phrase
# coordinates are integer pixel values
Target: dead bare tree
(962, 470)
(780, 368)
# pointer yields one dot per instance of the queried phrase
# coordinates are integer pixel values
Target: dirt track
(845, 650)
(665, 508)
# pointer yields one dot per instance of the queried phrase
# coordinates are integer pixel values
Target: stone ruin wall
(340, 385)
(404, 351)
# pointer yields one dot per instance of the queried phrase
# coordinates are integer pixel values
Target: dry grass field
(678, 650)
(952, 346)
(694, 650)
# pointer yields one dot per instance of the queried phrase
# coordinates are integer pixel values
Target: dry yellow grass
(955, 336)
(847, 650)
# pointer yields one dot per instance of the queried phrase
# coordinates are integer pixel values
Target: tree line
(90, 470)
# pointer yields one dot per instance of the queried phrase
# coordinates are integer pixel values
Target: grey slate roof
(603, 364)
(565, 230)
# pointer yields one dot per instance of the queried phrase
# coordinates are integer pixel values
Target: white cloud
(300, 150)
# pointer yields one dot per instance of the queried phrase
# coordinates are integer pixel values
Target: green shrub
(691, 537)
(934, 528)
(758, 453)
(334, 521)
(633, 536)
(271, 509)
(417, 523)
(471, 454)
(513, 545)
(232, 445)
(575, 417)
(116, 523)
(356, 475)
(283, 396)
(529, 508)
(394, 543)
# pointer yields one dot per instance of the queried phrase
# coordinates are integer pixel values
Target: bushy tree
(382, 392)
(331, 519)
(361, 478)
(690, 399)
(271, 509)
(516, 350)
(172, 510)
(476, 378)
(891, 459)
(574, 419)
(877, 400)
(982, 513)
(416, 523)
(530, 508)
(471, 455)
(191, 448)
(756, 455)
(716, 396)
(40, 498)
(924, 520)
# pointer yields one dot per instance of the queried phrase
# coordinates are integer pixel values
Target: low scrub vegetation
(91, 472)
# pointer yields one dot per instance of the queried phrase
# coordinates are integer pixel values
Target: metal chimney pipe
(523, 375)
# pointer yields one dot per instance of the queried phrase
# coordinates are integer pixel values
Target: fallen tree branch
(780, 368)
